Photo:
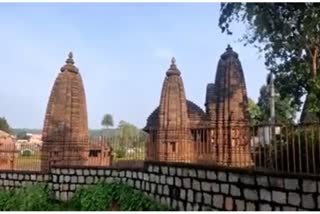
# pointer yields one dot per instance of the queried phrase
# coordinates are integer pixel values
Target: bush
(120, 153)
(26, 153)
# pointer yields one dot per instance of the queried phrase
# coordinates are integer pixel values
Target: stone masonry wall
(189, 187)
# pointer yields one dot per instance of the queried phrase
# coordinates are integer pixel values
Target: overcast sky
(122, 50)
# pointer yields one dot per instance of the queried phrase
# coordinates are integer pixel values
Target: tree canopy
(107, 120)
(289, 36)
(4, 126)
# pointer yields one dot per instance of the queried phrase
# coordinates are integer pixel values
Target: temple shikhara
(65, 131)
(181, 131)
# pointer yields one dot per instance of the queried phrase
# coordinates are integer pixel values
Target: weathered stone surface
(156, 169)
(309, 186)
(86, 172)
(279, 197)
(152, 177)
(222, 176)
(249, 180)
(215, 187)
(225, 188)
(187, 183)
(166, 190)
(64, 171)
(199, 197)
(218, 201)
(160, 189)
(205, 186)
(235, 191)
(228, 204)
(55, 178)
(33, 177)
(138, 184)
(67, 178)
(262, 181)
(277, 182)
(146, 176)
(250, 206)
(182, 194)
(164, 170)
(81, 179)
(150, 168)
(185, 172)
(189, 207)
(93, 172)
(291, 184)
(201, 174)
(72, 187)
(308, 201)
(172, 171)
(265, 195)
(190, 195)
(196, 185)
(89, 180)
(250, 194)
(233, 178)
(107, 172)
(240, 205)
(265, 207)
(179, 171)
(153, 188)
(177, 181)
(211, 175)
(294, 198)
(181, 206)
(147, 186)
(170, 180)
(192, 173)
(162, 179)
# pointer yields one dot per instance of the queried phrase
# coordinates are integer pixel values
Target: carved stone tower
(173, 139)
(228, 110)
(65, 131)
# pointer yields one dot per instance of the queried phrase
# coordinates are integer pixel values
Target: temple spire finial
(70, 58)
(229, 48)
(173, 60)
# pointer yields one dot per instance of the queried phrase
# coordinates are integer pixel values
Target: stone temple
(181, 131)
(65, 131)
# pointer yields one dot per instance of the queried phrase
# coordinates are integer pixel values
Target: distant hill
(92, 132)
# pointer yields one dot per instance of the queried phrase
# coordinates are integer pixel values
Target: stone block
(89, 180)
(215, 187)
(15, 176)
(56, 186)
(218, 201)
(192, 173)
(187, 183)
(17, 183)
(189, 207)
(228, 203)
(250, 194)
(240, 205)
(107, 172)
(170, 180)
(150, 168)
(181, 206)
(74, 179)
(207, 198)
(190, 195)
(152, 177)
(262, 181)
(235, 191)
(81, 179)
(9, 175)
(250, 206)
(67, 179)
(146, 176)
(248, 180)
(3, 175)
(265, 207)
(182, 194)
(130, 182)
(205, 186)
(63, 196)
(114, 173)
(211, 175)
(291, 184)
(201, 174)
(222, 176)
(100, 172)
(225, 188)
(185, 172)
(156, 169)
(71, 171)
(147, 186)
(128, 174)
(196, 185)
(160, 189)
(109, 180)
(166, 190)
(177, 181)
(138, 184)
(162, 179)
(72, 187)
(64, 187)
(198, 197)
(318, 200)
(309, 186)
(279, 197)
(174, 204)
(61, 179)
(308, 201)
(294, 199)
(86, 172)
(140, 175)
(27, 177)
(64, 171)
(179, 171)
(157, 178)
(153, 188)
(34, 177)
(164, 170)
(233, 178)
(54, 178)
(46, 177)
(79, 172)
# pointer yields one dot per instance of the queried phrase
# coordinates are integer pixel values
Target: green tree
(289, 36)
(254, 112)
(4, 126)
(107, 121)
(284, 113)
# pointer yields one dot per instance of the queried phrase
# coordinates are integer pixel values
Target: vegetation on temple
(99, 197)
(289, 36)
(4, 126)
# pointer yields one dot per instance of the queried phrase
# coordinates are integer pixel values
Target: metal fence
(291, 149)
